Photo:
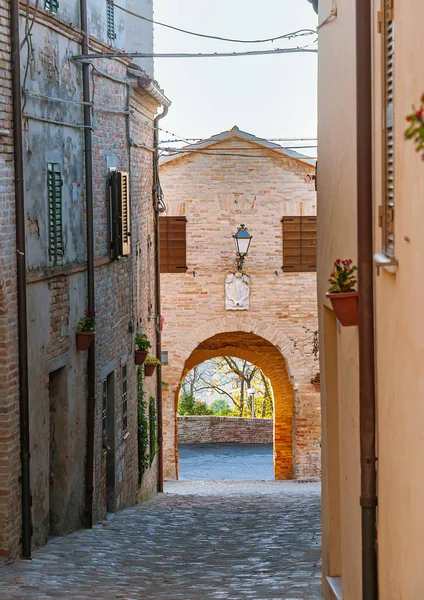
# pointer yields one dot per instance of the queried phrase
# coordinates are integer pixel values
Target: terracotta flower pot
(140, 357)
(149, 370)
(85, 339)
(346, 307)
(317, 385)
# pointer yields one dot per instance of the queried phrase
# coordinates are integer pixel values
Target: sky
(268, 96)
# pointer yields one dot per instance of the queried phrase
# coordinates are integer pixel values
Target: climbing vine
(153, 428)
(143, 429)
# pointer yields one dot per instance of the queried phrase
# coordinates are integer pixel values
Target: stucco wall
(216, 194)
(214, 430)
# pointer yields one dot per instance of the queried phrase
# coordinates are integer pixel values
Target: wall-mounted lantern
(242, 241)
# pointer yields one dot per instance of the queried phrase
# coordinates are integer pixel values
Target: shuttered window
(173, 244)
(110, 20)
(299, 244)
(120, 214)
(54, 191)
(51, 5)
(388, 55)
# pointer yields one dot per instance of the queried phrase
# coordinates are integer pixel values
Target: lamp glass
(242, 242)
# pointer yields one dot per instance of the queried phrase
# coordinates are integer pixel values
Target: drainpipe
(157, 207)
(21, 282)
(91, 360)
(366, 299)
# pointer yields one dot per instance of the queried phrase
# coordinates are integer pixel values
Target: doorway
(108, 434)
(58, 446)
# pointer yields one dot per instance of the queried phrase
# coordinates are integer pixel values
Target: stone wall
(217, 192)
(224, 430)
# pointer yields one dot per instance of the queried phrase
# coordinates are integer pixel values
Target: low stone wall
(236, 430)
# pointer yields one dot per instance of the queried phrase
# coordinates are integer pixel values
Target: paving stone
(198, 541)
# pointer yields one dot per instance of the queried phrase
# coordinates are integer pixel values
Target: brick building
(211, 188)
(124, 101)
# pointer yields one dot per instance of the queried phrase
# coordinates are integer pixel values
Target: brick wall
(10, 509)
(216, 194)
(224, 430)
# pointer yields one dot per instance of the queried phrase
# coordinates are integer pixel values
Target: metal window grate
(54, 187)
(51, 5)
(124, 399)
(110, 20)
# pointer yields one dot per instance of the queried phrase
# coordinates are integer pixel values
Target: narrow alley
(200, 540)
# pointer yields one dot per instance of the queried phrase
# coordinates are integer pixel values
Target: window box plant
(150, 365)
(342, 292)
(85, 332)
(142, 347)
(316, 381)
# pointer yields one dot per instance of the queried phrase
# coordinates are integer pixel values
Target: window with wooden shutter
(51, 5)
(119, 214)
(54, 190)
(173, 246)
(388, 56)
(299, 244)
(110, 21)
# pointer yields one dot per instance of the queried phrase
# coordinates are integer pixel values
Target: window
(110, 20)
(173, 244)
(124, 399)
(299, 244)
(387, 211)
(54, 189)
(51, 5)
(120, 214)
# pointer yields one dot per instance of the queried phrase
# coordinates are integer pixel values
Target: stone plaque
(237, 291)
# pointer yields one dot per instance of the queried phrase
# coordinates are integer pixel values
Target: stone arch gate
(296, 412)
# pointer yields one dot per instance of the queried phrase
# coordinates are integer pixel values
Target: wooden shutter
(110, 21)
(124, 194)
(299, 244)
(51, 5)
(388, 55)
(173, 244)
(54, 189)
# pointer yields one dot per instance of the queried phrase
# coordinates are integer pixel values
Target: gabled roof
(235, 132)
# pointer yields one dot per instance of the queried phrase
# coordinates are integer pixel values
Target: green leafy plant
(316, 378)
(342, 279)
(86, 324)
(143, 429)
(415, 130)
(151, 360)
(142, 342)
(188, 406)
(165, 385)
(153, 440)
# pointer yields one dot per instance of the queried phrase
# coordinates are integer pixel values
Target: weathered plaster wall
(224, 430)
(216, 194)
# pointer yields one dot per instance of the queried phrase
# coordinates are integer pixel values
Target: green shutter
(51, 5)
(110, 19)
(54, 187)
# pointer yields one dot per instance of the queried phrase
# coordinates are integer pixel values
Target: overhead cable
(288, 36)
(302, 49)
(174, 152)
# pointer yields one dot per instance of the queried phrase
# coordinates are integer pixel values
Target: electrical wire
(287, 36)
(174, 152)
(247, 149)
(301, 49)
(289, 139)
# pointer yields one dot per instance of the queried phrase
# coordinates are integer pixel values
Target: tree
(221, 408)
(187, 405)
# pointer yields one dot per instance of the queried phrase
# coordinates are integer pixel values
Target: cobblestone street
(199, 541)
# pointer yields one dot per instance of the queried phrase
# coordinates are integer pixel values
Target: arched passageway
(284, 362)
(264, 355)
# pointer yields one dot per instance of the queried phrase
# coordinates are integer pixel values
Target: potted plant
(85, 332)
(342, 292)
(142, 347)
(316, 381)
(150, 365)
(415, 130)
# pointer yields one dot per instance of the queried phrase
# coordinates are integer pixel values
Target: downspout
(21, 282)
(157, 208)
(367, 400)
(91, 360)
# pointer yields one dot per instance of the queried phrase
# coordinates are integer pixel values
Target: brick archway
(260, 352)
(288, 369)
